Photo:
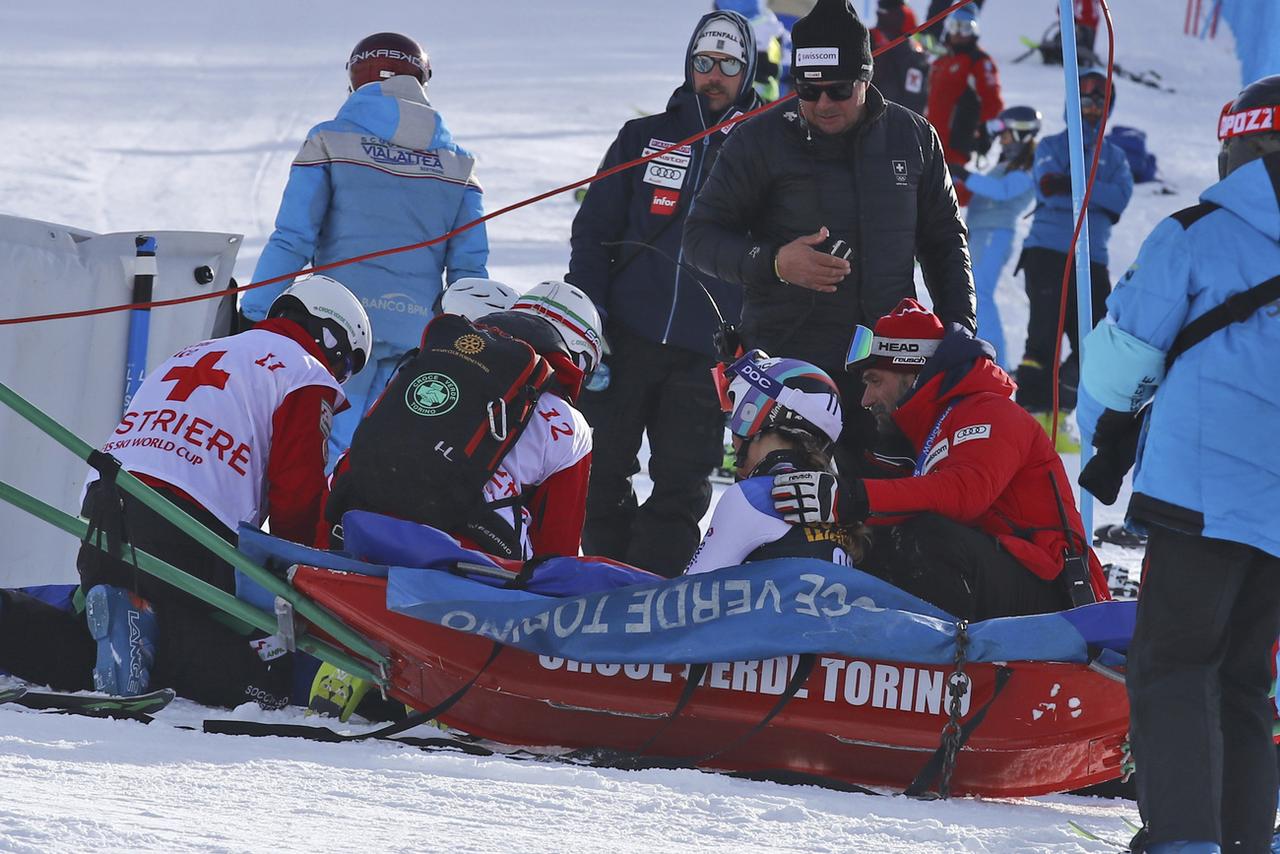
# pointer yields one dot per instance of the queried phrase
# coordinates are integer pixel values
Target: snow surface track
(151, 114)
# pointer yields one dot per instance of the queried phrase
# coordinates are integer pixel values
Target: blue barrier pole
(135, 357)
(1079, 176)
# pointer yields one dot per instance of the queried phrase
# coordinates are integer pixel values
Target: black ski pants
(1199, 673)
(197, 655)
(960, 569)
(1043, 269)
(667, 392)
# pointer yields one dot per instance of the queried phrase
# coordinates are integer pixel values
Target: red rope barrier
(35, 318)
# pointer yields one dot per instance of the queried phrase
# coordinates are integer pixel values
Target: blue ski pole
(144, 274)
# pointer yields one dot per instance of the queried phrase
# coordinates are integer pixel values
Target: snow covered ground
(147, 114)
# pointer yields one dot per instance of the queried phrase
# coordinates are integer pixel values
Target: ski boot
(124, 625)
(1067, 442)
(336, 693)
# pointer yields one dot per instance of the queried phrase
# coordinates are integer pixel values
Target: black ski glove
(1116, 441)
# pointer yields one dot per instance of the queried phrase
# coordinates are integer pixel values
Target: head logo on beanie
(906, 337)
(831, 43)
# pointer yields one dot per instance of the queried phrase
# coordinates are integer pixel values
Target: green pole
(190, 584)
(321, 618)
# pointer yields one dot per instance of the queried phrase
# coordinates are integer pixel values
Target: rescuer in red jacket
(987, 523)
(964, 93)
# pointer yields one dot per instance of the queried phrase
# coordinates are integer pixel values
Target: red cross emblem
(202, 373)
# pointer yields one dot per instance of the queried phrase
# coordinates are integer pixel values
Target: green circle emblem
(431, 394)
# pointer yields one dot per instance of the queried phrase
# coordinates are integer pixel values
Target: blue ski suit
(384, 173)
(999, 198)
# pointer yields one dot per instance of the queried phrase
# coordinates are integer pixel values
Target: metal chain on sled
(958, 686)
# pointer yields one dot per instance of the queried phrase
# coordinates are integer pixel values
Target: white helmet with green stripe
(574, 316)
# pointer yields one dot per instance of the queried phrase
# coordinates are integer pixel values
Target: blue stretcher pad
(593, 610)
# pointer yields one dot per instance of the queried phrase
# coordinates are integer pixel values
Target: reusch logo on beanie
(831, 43)
(906, 337)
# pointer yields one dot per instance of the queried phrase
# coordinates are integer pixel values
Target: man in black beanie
(821, 212)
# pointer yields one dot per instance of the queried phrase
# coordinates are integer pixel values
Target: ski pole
(144, 276)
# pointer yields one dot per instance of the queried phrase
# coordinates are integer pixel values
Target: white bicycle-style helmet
(331, 315)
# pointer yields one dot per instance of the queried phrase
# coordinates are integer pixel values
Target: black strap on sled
(803, 670)
(320, 733)
(934, 767)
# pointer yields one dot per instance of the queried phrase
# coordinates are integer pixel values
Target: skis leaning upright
(138, 708)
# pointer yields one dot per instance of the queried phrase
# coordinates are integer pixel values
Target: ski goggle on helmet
(759, 392)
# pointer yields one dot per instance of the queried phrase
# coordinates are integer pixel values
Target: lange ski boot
(336, 693)
(1067, 442)
(124, 625)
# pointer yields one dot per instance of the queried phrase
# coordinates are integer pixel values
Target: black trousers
(1044, 269)
(197, 655)
(1198, 678)
(960, 569)
(668, 393)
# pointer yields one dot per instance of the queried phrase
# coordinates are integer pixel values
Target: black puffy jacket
(882, 187)
(639, 288)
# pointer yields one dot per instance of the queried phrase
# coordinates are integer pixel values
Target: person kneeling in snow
(987, 525)
(229, 431)
(785, 416)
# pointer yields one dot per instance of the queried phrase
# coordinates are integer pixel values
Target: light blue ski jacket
(384, 173)
(1209, 462)
(1053, 221)
(999, 197)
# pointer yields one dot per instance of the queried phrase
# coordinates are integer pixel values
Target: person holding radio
(820, 211)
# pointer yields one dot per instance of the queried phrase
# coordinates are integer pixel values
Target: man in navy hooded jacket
(659, 323)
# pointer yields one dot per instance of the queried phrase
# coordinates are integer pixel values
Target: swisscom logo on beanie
(831, 43)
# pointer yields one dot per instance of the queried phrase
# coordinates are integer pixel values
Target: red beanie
(905, 338)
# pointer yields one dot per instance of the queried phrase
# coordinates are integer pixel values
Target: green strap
(215, 596)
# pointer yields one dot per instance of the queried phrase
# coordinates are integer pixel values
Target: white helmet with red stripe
(574, 316)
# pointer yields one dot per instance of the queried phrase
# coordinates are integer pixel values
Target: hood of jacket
(1252, 193)
(746, 99)
(397, 110)
(962, 365)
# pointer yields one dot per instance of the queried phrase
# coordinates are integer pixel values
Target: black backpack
(442, 426)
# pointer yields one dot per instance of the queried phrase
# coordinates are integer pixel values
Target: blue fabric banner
(762, 610)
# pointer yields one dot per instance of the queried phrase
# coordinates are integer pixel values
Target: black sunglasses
(842, 91)
(728, 67)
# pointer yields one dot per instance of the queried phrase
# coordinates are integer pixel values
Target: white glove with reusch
(806, 497)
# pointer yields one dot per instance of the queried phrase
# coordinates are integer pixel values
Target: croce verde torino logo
(431, 394)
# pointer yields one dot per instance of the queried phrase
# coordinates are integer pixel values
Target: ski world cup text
(193, 439)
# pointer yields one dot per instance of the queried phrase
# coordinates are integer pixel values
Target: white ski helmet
(331, 315)
(474, 298)
(574, 316)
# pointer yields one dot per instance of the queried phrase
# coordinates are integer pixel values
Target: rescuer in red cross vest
(232, 431)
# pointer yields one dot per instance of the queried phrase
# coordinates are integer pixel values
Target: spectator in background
(1044, 255)
(964, 93)
(937, 7)
(902, 72)
(819, 212)
(384, 172)
(999, 198)
(659, 323)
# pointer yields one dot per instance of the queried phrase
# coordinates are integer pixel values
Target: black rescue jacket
(645, 290)
(882, 187)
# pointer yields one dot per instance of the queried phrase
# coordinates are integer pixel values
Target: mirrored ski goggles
(724, 376)
(859, 347)
(729, 67)
(841, 91)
